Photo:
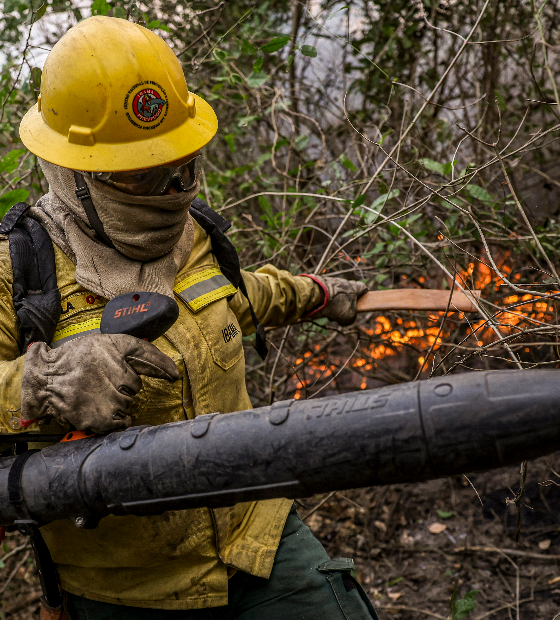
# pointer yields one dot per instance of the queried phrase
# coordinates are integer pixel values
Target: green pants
(304, 585)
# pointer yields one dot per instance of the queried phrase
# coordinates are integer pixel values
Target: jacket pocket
(221, 333)
(205, 292)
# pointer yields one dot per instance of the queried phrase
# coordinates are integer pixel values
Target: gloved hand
(340, 299)
(90, 381)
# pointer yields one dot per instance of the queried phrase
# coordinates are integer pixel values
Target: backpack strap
(12, 217)
(35, 291)
(215, 227)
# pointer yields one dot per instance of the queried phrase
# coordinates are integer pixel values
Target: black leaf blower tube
(404, 433)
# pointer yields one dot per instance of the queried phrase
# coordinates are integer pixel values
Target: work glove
(90, 381)
(340, 299)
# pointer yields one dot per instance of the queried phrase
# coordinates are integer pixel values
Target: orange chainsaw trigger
(74, 435)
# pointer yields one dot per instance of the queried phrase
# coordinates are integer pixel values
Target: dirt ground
(413, 544)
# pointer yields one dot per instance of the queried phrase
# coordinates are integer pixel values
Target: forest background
(404, 144)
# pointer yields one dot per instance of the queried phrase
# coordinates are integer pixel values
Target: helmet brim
(51, 146)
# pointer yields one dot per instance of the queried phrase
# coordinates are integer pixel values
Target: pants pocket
(354, 602)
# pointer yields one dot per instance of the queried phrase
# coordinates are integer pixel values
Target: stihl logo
(229, 332)
(130, 310)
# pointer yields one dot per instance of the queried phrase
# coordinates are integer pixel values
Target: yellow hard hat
(113, 98)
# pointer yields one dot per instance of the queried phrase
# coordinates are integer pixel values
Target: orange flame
(389, 336)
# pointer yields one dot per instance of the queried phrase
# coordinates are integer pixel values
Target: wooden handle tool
(417, 299)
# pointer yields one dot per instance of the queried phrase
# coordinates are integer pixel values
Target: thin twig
(497, 609)
(339, 371)
(271, 389)
(313, 510)
(14, 551)
(513, 552)
(414, 609)
(474, 489)
(14, 572)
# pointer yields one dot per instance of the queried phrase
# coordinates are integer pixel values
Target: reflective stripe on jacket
(181, 559)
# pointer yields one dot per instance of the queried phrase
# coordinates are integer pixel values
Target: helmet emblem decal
(148, 104)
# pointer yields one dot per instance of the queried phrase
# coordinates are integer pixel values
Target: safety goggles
(153, 181)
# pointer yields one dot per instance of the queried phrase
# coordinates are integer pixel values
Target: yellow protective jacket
(181, 559)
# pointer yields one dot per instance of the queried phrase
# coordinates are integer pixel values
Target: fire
(388, 336)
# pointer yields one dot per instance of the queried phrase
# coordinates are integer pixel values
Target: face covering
(152, 235)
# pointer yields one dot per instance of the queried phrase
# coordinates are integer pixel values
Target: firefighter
(118, 137)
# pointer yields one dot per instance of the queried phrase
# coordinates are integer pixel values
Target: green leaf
(433, 166)
(309, 50)
(359, 201)
(40, 12)
(257, 65)
(229, 138)
(347, 163)
(395, 581)
(10, 162)
(9, 199)
(301, 142)
(246, 120)
(500, 100)
(413, 218)
(235, 78)
(265, 205)
(100, 7)
(479, 193)
(463, 607)
(264, 157)
(385, 135)
(447, 168)
(157, 24)
(444, 514)
(248, 48)
(279, 145)
(257, 79)
(380, 200)
(2, 565)
(275, 44)
(118, 11)
(220, 55)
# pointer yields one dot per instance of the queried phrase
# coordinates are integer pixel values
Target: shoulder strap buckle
(82, 192)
